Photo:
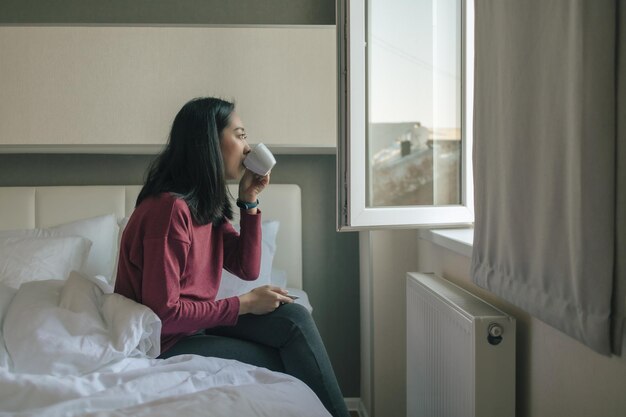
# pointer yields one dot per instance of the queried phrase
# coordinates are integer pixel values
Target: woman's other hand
(251, 185)
(263, 300)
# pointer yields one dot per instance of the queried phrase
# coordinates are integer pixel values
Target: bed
(69, 346)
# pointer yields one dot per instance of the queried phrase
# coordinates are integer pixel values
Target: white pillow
(121, 224)
(232, 285)
(6, 296)
(24, 259)
(279, 278)
(102, 231)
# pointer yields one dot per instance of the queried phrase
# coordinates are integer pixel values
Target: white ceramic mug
(260, 160)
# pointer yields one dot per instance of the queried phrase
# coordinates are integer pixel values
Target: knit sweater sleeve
(165, 262)
(242, 252)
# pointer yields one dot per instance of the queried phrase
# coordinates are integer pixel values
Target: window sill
(457, 240)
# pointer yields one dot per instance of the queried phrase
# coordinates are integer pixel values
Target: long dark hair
(191, 164)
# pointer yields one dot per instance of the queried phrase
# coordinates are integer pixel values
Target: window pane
(414, 102)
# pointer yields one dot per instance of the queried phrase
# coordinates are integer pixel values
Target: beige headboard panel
(30, 207)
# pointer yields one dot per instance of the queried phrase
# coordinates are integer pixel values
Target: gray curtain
(545, 143)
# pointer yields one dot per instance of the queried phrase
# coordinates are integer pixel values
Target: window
(404, 146)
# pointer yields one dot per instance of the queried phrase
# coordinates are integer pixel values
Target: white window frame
(352, 211)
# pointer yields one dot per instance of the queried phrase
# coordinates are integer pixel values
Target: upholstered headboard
(35, 207)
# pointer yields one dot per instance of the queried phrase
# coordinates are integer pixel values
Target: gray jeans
(285, 340)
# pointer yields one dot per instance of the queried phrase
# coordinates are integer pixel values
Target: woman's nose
(246, 149)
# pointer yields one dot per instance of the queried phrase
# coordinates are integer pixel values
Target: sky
(414, 56)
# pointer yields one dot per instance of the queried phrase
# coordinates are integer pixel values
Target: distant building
(411, 164)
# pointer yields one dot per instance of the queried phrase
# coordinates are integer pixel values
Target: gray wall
(169, 12)
(330, 259)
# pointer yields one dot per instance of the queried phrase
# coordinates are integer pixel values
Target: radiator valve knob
(494, 334)
(495, 330)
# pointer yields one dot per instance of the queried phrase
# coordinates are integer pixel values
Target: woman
(179, 238)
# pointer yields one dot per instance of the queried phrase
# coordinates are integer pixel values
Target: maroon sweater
(174, 266)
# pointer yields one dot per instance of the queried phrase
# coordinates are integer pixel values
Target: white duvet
(70, 348)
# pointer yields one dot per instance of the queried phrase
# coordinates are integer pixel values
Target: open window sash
(353, 174)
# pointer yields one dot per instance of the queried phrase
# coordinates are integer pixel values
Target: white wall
(386, 256)
(556, 375)
(96, 85)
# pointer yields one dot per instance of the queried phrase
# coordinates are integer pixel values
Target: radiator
(460, 352)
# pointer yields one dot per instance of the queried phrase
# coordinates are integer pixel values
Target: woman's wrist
(247, 205)
(247, 198)
(244, 304)
(250, 208)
